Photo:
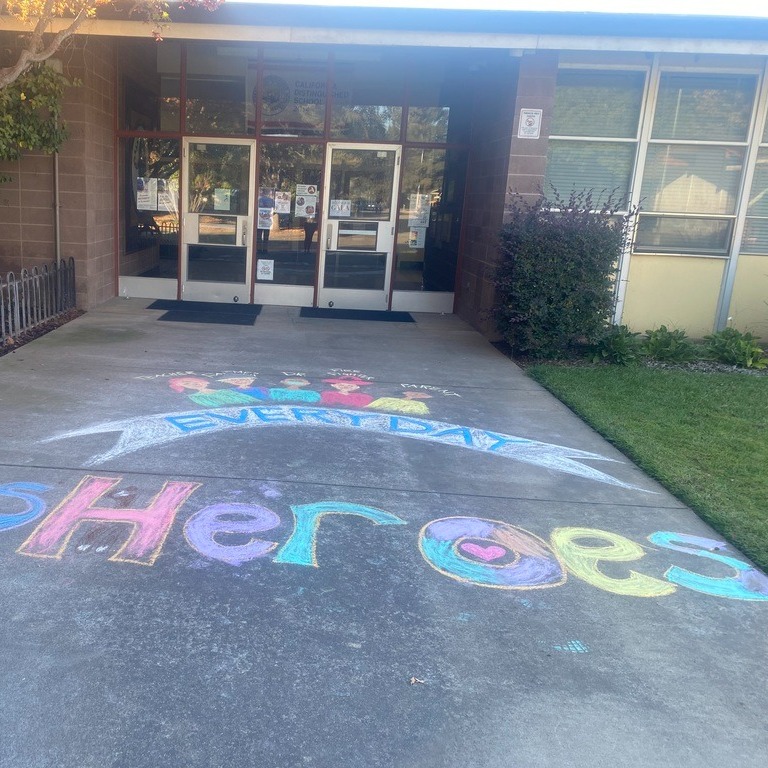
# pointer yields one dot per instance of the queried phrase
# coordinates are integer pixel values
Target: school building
(365, 158)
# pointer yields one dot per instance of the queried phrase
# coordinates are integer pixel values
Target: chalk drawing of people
(293, 391)
(199, 391)
(345, 392)
(408, 403)
(245, 385)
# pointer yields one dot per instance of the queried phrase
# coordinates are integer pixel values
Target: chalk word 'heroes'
(472, 550)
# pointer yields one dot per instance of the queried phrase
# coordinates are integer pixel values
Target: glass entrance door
(358, 235)
(218, 219)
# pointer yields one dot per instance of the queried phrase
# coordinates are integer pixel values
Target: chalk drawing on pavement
(160, 429)
(472, 550)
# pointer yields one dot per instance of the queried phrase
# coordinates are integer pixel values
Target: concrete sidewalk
(336, 543)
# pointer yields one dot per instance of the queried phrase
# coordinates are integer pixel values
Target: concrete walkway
(266, 547)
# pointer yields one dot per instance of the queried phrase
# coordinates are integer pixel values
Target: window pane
(149, 210)
(361, 184)
(704, 107)
(440, 88)
(758, 196)
(429, 220)
(218, 82)
(428, 124)
(677, 234)
(150, 85)
(691, 179)
(289, 182)
(599, 166)
(293, 102)
(218, 178)
(367, 102)
(597, 103)
(755, 238)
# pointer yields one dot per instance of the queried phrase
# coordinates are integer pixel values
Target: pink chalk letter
(149, 526)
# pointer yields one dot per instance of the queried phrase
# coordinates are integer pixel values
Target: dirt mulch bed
(12, 344)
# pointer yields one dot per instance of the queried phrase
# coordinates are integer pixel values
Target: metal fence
(34, 297)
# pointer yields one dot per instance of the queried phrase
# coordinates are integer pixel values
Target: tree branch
(35, 51)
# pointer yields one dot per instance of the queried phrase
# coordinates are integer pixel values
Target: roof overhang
(447, 28)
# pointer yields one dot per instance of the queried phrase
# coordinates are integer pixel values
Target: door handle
(329, 237)
(245, 232)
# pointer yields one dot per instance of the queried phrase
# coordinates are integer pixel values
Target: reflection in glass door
(358, 236)
(218, 220)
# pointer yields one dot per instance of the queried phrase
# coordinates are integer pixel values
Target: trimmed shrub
(733, 347)
(668, 346)
(554, 281)
(618, 345)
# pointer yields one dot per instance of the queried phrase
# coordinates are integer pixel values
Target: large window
(429, 219)
(595, 125)
(150, 207)
(695, 163)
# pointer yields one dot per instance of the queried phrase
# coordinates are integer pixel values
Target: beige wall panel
(676, 291)
(749, 303)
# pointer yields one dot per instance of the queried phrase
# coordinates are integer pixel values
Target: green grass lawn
(702, 435)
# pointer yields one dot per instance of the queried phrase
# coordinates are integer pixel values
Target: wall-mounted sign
(530, 124)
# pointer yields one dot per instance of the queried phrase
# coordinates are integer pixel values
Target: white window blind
(593, 140)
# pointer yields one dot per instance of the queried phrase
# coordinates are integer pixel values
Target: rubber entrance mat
(207, 312)
(356, 314)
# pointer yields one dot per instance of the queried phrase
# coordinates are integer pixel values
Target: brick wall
(500, 166)
(85, 183)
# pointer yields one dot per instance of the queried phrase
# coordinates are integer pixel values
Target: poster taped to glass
(306, 206)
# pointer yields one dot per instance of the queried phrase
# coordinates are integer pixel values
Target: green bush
(618, 345)
(30, 113)
(554, 281)
(733, 347)
(669, 346)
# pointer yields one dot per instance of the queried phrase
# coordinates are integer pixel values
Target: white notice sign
(146, 194)
(221, 199)
(265, 269)
(282, 202)
(530, 124)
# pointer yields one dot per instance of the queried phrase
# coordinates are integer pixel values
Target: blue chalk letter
(300, 548)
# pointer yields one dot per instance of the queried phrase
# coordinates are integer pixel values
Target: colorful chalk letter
(149, 526)
(35, 506)
(582, 561)
(203, 527)
(748, 584)
(300, 547)
(490, 553)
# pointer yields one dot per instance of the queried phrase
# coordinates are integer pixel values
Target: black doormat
(207, 312)
(214, 318)
(356, 314)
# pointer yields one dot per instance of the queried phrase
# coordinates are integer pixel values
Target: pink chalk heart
(486, 554)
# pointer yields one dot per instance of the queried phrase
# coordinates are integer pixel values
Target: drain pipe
(56, 210)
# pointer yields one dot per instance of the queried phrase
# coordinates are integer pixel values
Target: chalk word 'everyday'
(159, 429)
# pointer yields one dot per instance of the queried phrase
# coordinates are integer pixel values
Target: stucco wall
(749, 302)
(676, 291)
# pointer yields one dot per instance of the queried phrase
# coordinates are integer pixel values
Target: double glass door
(359, 225)
(217, 247)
